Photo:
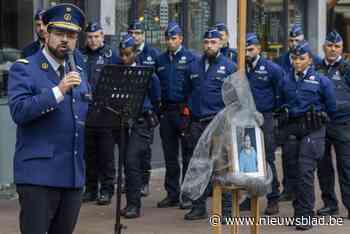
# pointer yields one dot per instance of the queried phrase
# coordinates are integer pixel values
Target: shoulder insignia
(44, 66)
(25, 61)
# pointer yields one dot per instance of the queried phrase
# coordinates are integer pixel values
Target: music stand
(121, 90)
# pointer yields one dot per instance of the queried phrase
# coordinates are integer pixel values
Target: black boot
(104, 199)
(328, 210)
(272, 208)
(89, 196)
(132, 212)
(145, 190)
(168, 202)
(197, 213)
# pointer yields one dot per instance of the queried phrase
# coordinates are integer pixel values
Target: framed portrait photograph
(248, 151)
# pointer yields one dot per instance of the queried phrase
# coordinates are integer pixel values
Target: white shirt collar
(52, 61)
(337, 60)
(304, 73)
(141, 47)
(178, 50)
(133, 65)
(255, 61)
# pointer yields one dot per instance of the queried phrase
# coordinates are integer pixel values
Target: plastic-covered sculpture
(212, 157)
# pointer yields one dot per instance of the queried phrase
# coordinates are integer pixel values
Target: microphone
(70, 60)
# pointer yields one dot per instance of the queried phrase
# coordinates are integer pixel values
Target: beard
(250, 59)
(56, 51)
(211, 54)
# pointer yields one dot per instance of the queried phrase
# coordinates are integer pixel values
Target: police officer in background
(48, 100)
(172, 67)
(337, 69)
(141, 133)
(41, 32)
(296, 35)
(264, 77)
(225, 49)
(207, 75)
(146, 56)
(99, 155)
(307, 97)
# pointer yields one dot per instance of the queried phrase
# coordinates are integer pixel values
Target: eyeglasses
(62, 34)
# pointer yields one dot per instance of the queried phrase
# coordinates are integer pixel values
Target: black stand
(121, 90)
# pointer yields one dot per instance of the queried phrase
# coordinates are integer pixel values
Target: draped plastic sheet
(211, 158)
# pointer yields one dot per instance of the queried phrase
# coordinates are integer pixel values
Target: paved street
(100, 220)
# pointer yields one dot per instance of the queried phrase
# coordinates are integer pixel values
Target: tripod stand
(121, 90)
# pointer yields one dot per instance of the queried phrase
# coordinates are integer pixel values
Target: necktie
(300, 75)
(61, 71)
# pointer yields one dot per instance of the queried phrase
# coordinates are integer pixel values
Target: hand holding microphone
(72, 78)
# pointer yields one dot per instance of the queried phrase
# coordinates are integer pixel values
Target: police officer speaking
(99, 143)
(337, 69)
(141, 133)
(307, 97)
(146, 55)
(49, 169)
(207, 75)
(172, 68)
(264, 77)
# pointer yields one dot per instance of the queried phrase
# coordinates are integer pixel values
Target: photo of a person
(247, 156)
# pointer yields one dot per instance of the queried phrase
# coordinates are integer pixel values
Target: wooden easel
(217, 208)
(217, 188)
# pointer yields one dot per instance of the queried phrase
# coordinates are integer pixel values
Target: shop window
(156, 14)
(200, 19)
(339, 20)
(16, 30)
(271, 21)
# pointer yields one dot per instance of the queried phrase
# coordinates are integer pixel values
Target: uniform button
(76, 134)
(52, 108)
(75, 152)
(73, 100)
(76, 117)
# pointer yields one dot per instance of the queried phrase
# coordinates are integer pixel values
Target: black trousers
(99, 157)
(171, 138)
(139, 142)
(305, 152)
(146, 163)
(48, 209)
(270, 148)
(338, 136)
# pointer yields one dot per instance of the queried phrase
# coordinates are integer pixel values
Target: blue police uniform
(49, 168)
(99, 141)
(35, 46)
(140, 139)
(305, 95)
(285, 62)
(172, 69)
(32, 48)
(37, 146)
(146, 56)
(337, 134)
(231, 53)
(264, 77)
(203, 86)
